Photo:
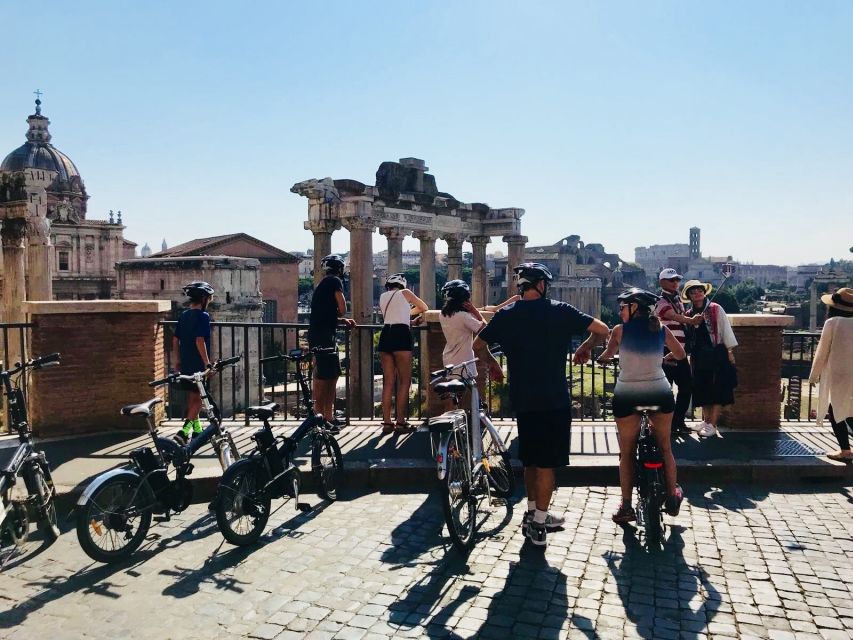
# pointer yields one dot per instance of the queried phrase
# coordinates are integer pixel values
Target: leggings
(840, 430)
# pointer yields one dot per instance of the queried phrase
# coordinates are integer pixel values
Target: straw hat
(841, 299)
(694, 283)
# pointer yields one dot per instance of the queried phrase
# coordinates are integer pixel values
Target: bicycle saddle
(263, 411)
(142, 409)
(451, 386)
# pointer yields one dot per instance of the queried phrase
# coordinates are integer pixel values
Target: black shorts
(544, 438)
(395, 337)
(327, 366)
(625, 405)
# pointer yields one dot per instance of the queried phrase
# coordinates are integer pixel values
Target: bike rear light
(653, 465)
(439, 458)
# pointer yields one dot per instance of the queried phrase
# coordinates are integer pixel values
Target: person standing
(191, 344)
(535, 334)
(398, 304)
(328, 307)
(832, 367)
(670, 309)
(712, 356)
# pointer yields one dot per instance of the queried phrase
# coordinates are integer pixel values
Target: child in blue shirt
(191, 343)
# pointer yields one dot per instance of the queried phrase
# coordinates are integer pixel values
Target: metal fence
(799, 398)
(14, 338)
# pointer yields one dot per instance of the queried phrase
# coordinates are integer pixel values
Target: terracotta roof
(204, 246)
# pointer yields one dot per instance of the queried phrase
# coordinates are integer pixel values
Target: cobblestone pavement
(744, 562)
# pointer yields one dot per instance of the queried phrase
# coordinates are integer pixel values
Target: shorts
(544, 438)
(625, 404)
(327, 366)
(395, 337)
(186, 385)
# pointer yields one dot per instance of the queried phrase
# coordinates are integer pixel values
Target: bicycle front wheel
(327, 464)
(501, 476)
(458, 503)
(242, 507)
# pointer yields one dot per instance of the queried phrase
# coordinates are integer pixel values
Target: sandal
(387, 427)
(840, 457)
(404, 427)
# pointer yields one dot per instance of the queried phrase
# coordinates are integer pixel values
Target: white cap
(668, 274)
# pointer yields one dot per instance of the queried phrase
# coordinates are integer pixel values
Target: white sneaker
(695, 426)
(707, 430)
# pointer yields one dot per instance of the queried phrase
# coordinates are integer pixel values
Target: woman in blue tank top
(640, 340)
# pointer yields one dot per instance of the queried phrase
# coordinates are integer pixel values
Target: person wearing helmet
(398, 304)
(640, 341)
(536, 334)
(328, 307)
(460, 322)
(670, 309)
(191, 346)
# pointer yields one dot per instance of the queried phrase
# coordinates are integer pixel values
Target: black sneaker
(672, 505)
(332, 428)
(525, 521)
(537, 534)
(181, 438)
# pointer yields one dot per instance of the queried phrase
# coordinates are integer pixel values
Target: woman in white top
(460, 322)
(832, 367)
(397, 305)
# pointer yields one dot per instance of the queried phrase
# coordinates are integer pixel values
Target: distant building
(762, 274)
(657, 257)
(278, 270)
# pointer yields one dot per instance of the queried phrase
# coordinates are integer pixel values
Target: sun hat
(841, 299)
(669, 273)
(690, 284)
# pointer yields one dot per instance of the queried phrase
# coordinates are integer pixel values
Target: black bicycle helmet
(333, 264)
(639, 297)
(198, 289)
(456, 290)
(531, 273)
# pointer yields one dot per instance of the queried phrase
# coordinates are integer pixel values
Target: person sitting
(639, 340)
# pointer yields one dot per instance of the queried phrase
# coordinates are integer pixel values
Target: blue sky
(625, 123)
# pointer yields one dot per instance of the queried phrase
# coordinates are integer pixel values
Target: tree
(747, 294)
(727, 301)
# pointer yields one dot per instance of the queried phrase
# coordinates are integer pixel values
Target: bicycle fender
(441, 455)
(101, 479)
(239, 466)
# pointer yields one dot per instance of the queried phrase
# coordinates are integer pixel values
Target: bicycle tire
(500, 473)
(653, 515)
(46, 509)
(115, 507)
(456, 496)
(238, 500)
(327, 464)
(228, 454)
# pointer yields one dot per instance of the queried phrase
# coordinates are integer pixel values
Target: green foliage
(305, 286)
(727, 301)
(748, 294)
(609, 317)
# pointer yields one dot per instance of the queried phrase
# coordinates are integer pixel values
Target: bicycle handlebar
(217, 366)
(39, 362)
(448, 370)
(296, 355)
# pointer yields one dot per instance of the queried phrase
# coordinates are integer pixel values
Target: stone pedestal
(479, 277)
(110, 350)
(427, 288)
(361, 290)
(759, 368)
(395, 248)
(454, 256)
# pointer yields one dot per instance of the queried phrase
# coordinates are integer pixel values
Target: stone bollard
(110, 350)
(759, 368)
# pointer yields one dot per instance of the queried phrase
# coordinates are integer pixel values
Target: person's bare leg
(629, 433)
(714, 414)
(530, 482)
(388, 376)
(403, 364)
(193, 405)
(325, 394)
(544, 487)
(662, 426)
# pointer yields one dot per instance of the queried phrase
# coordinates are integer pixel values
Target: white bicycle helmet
(397, 278)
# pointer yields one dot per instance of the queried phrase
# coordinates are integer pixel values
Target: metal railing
(799, 398)
(14, 338)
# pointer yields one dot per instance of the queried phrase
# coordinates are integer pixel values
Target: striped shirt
(671, 302)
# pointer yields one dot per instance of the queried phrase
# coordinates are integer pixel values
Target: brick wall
(107, 361)
(759, 367)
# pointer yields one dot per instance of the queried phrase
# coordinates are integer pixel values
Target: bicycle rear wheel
(500, 474)
(242, 507)
(327, 464)
(652, 514)
(458, 503)
(111, 525)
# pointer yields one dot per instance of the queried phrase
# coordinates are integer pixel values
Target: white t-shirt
(395, 308)
(459, 333)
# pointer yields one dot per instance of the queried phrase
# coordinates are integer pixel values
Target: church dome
(36, 155)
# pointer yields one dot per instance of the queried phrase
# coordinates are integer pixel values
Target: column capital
(13, 232)
(515, 239)
(480, 240)
(393, 233)
(425, 236)
(456, 238)
(38, 230)
(322, 226)
(359, 224)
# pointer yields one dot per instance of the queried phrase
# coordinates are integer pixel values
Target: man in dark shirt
(535, 334)
(191, 343)
(328, 307)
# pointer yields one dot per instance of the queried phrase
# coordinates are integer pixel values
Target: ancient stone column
(322, 230)
(515, 255)
(361, 292)
(39, 260)
(427, 288)
(479, 277)
(14, 283)
(454, 255)
(395, 237)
